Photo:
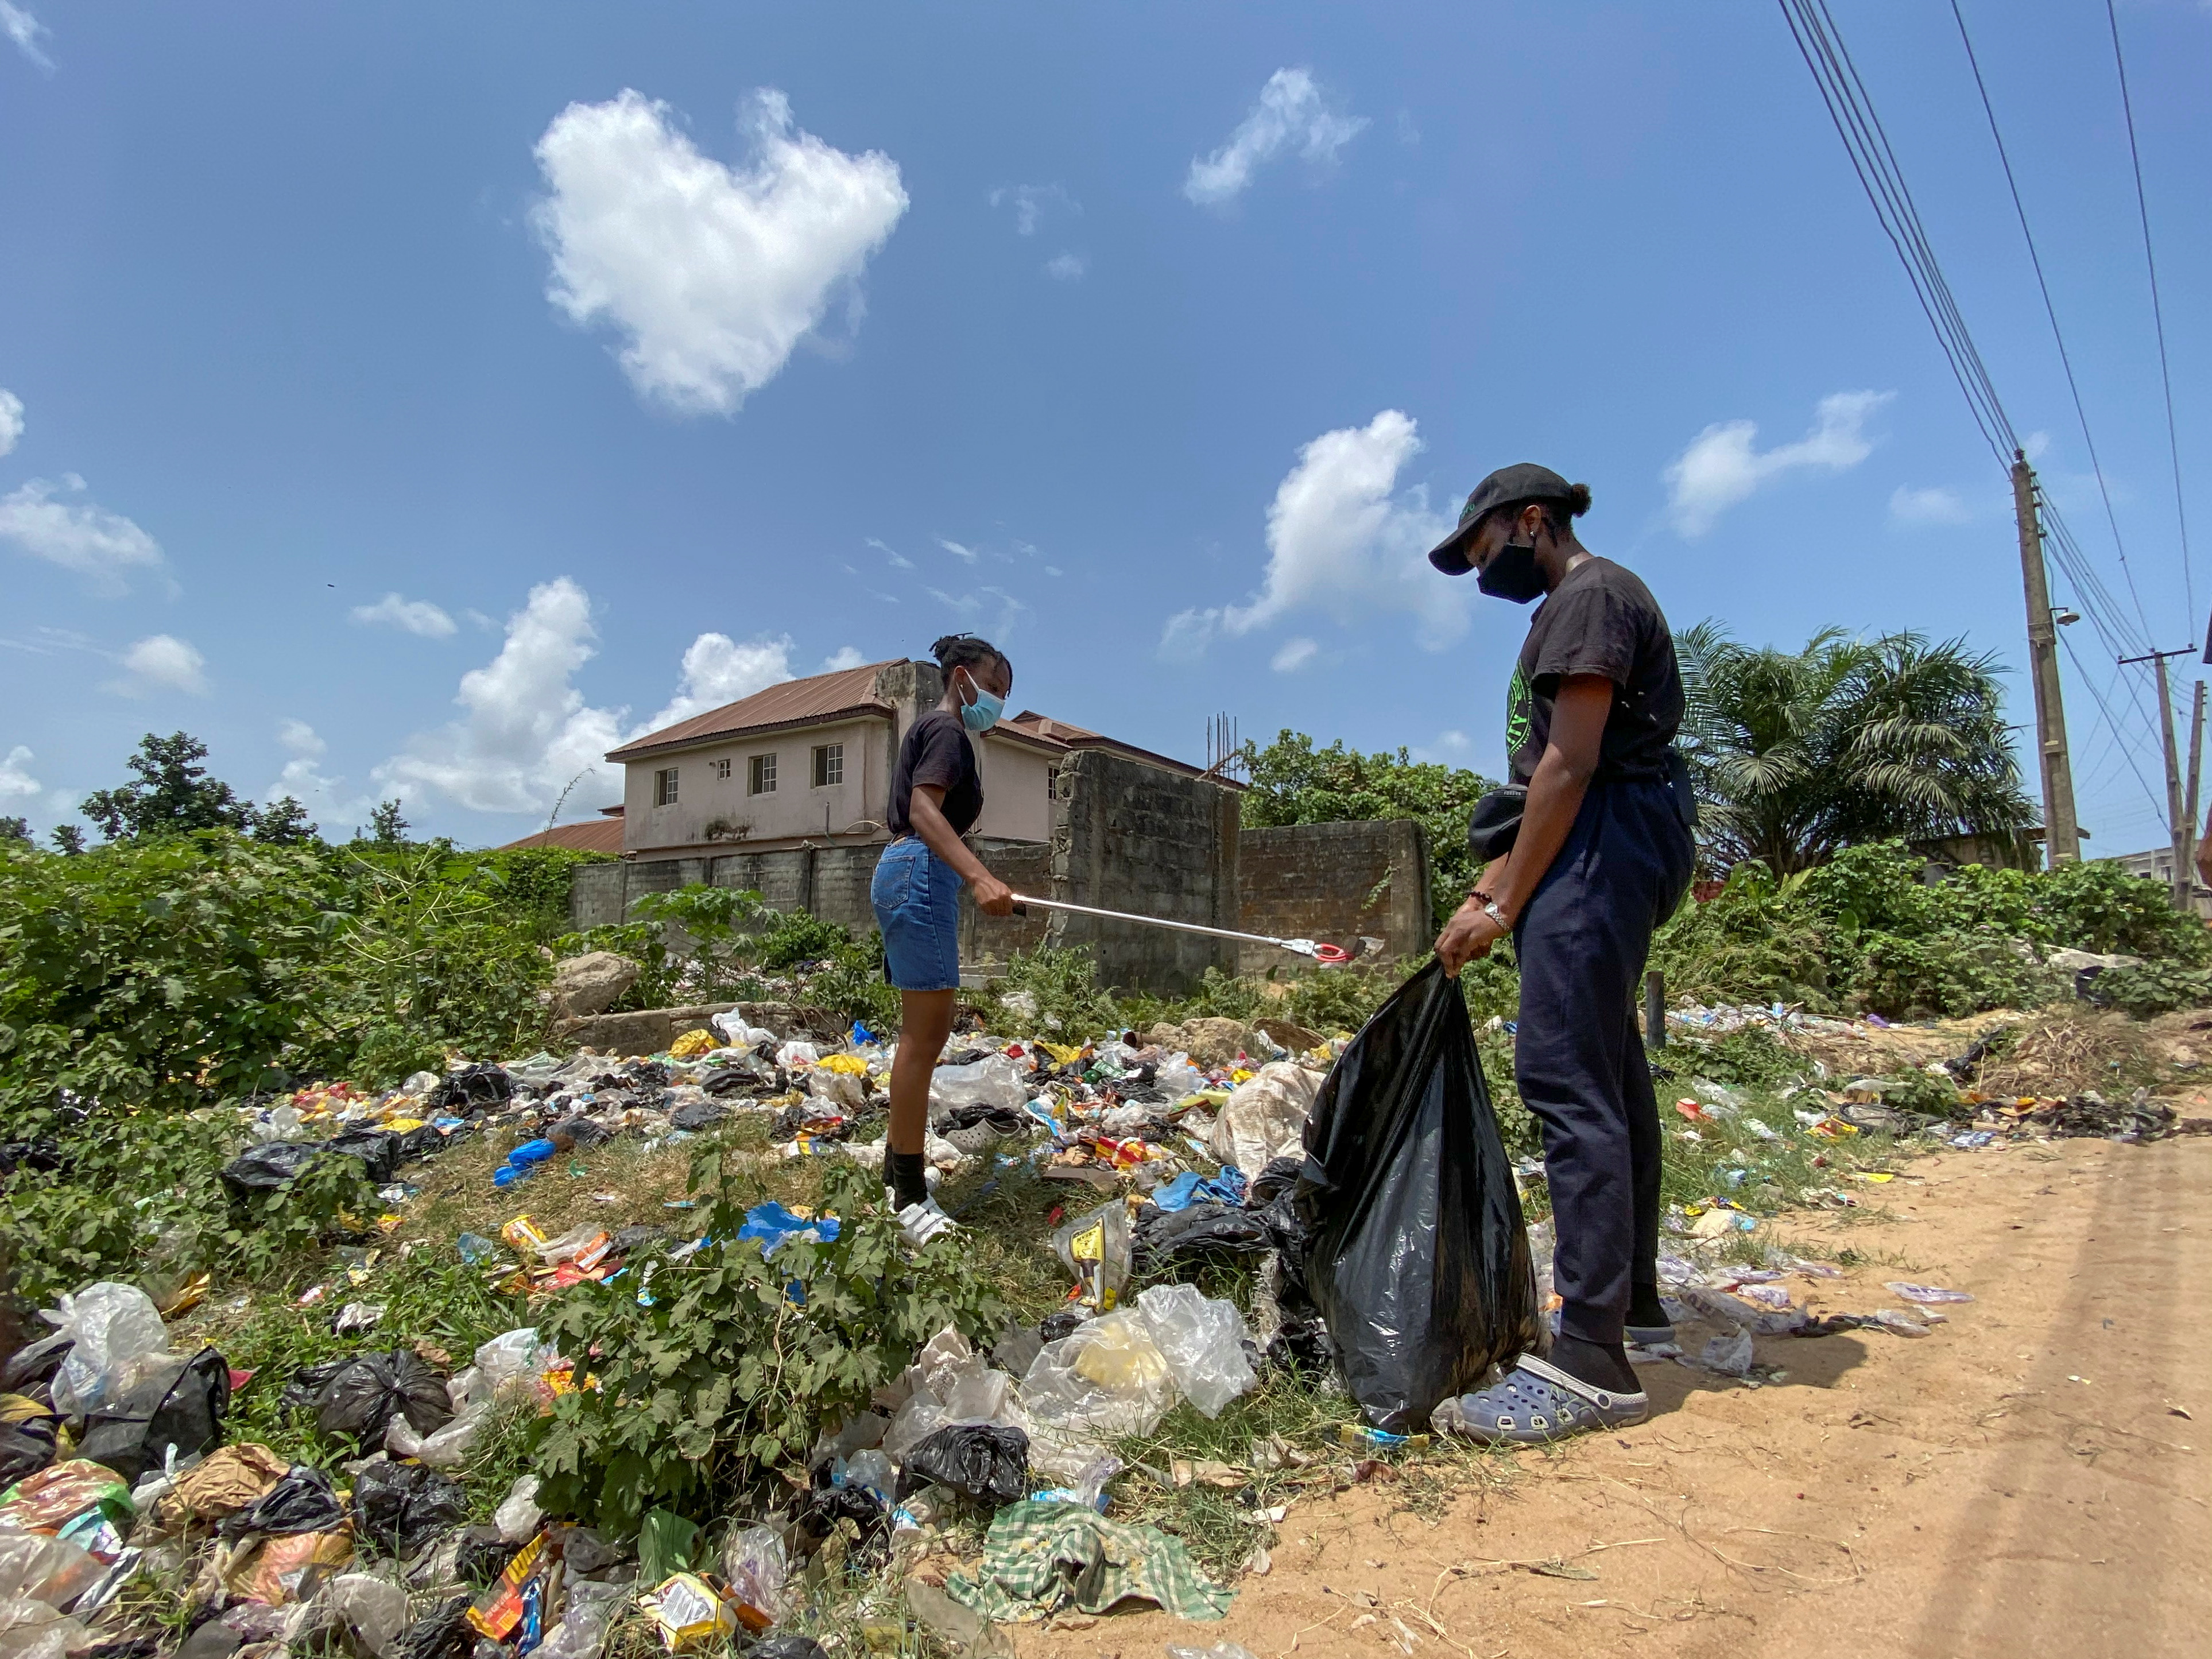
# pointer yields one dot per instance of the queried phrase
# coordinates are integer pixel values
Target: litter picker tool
(1330, 956)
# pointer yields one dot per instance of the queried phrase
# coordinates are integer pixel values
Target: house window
(829, 764)
(664, 786)
(760, 775)
(722, 770)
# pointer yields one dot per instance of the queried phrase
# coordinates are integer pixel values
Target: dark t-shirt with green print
(1601, 620)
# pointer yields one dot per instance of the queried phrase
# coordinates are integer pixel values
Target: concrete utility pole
(2196, 771)
(2062, 836)
(2177, 821)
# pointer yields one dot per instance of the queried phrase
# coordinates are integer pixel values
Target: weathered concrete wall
(1336, 882)
(1129, 837)
(986, 942)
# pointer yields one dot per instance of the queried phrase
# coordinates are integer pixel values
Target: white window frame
(760, 774)
(828, 760)
(722, 770)
(664, 786)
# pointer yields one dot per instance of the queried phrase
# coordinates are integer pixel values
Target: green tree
(68, 839)
(282, 823)
(14, 828)
(386, 826)
(173, 795)
(1797, 755)
(1293, 782)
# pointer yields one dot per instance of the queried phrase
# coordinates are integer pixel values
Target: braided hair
(965, 651)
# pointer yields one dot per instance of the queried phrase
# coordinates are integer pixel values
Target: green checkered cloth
(1045, 1554)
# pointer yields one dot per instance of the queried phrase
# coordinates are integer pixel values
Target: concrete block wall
(1337, 883)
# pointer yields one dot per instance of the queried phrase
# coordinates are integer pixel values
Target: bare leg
(925, 1023)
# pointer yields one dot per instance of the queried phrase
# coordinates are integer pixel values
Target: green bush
(1756, 940)
(1064, 984)
(738, 1363)
(2153, 988)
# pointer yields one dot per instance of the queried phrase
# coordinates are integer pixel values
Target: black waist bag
(1495, 823)
(1418, 1257)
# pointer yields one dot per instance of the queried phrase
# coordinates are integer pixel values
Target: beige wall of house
(1017, 789)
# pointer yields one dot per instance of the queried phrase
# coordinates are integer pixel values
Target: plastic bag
(1177, 1078)
(1203, 1341)
(1197, 1231)
(447, 1448)
(43, 1568)
(375, 1612)
(514, 1356)
(1107, 1379)
(1265, 1116)
(589, 1608)
(30, 1439)
(470, 1089)
(30, 1370)
(443, 1633)
(33, 1630)
(757, 1568)
(518, 1516)
(76, 1499)
(732, 1024)
(301, 1502)
(111, 1325)
(994, 1080)
(403, 1507)
(364, 1395)
(1418, 1258)
(990, 1465)
(173, 1410)
(1096, 1248)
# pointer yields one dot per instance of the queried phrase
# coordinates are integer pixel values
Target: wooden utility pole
(2062, 836)
(2177, 820)
(2196, 771)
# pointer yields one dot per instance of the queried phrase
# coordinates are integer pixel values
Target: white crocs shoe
(920, 1224)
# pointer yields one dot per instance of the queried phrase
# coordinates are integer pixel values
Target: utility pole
(2196, 771)
(2062, 836)
(2177, 821)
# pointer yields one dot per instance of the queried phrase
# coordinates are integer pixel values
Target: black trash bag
(578, 1133)
(369, 1390)
(402, 1507)
(472, 1089)
(730, 1080)
(377, 1149)
(1279, 1179)
(420, 1143)
(482, 1556)
(786, 1647)
(1419, 1257)
(301, 1502)
(267, 1165)
(44, 1155)
(1302, 1344)
(818, 1513)
(27, 1444)
(1005, 1119)
(444, 1632)
(698, 1115)
(30, 1370)
(1201, 1229)
(976, 1460)
(632, 1239)
(1054, 1326)
(308, 1381)
(182, 1408)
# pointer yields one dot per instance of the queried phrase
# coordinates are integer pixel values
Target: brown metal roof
(843, 695)
(1075, 736)
(599, 835)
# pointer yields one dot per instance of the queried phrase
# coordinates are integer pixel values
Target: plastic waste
(1927, 1296)
(513, 1357)
(518, 1516)
(443, 1633)
(1900, 1321)
(1196, 1231)
(1729, 1355)
(472, 1089)
(374, 1610)
(1227, 1187)
(1218, 1650)
(1178, 1078)
(43, 1568)
(447, 1448)
(1203, 1340)
(1096, 1248)
(77, 1499)
(689, 1612)
(994, 1080)
(1725, 1310)
(871, 1471)
(174, 1409)
(30, 1438)
(1107, 1379)
(364, 1395)
(111, 1325)
(302, 1501)
(589, 1608)
(774, 1226)
(1265, 1117)
(735, 1031)
(788, 1647)
(402, 1507)
(990, 1465)
(31, 1629)
(1419, 1260)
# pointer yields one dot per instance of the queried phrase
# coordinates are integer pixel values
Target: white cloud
(302, 739)
(11, 413)
(302, 779)
(712, 274)
(1292, 111)
(844, 657)
(1066, 267)
(718, 669)
(24, 30)
(1004, 611)
(1720, 467)
(160, 662)
(1338, 538)
(82, 536)
(1188, 633)
(1033, 202)
(891, 553)
(1294, 654)
(418, 616)
(955, 548)
(1450, 748)
(15, 778)
(1933, 506)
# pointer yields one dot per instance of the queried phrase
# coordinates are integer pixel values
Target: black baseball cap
(1524, 481)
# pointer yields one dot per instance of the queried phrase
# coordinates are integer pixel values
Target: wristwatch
(1490, 908)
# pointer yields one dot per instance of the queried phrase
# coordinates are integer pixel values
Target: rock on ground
(592, 983)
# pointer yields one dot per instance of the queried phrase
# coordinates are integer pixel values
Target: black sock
(1644, 1308)
(1601, 1365)
(908, 1185)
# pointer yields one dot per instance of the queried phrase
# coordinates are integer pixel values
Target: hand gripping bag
(1417, 1256)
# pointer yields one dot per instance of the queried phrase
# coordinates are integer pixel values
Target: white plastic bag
(732, 1025)
(1204, 1343)
(519, 1517)
(514, 1356)
(1265, 1116)
(33, 1630)
(1107, 1379)
(993, 1080)
(797, 1056)
(839, 1088)
(582, 1632)
(1729, 1355)
(372, 1609)
(448, 1448)
(112, 1325)
(36, 1567)
(757, 1569)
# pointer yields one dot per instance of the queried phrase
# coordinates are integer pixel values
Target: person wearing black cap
(1602, 855)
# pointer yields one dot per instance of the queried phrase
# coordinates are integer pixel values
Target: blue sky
(420, 402)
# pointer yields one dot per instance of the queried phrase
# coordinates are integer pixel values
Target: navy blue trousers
(1579, 1061)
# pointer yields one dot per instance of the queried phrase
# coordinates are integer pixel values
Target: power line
(2157, 311)
(2051, 312)
(2126, 753)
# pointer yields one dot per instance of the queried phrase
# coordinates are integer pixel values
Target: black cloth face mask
(1512, 573)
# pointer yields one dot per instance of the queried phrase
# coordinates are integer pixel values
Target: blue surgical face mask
(982, 714)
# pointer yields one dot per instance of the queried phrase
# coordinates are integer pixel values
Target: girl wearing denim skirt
(937, 794)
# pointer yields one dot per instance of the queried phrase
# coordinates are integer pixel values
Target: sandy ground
(2035, 1477)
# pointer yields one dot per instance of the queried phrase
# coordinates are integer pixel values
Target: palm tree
(1796, 755)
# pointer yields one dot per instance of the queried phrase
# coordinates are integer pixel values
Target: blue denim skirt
(916, 895)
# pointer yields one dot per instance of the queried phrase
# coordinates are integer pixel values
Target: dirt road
(2024, 1481)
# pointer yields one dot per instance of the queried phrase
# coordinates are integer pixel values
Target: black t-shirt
(1599, 620)
(937, 752)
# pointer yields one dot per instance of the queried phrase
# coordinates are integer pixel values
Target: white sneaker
(919, 1224)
